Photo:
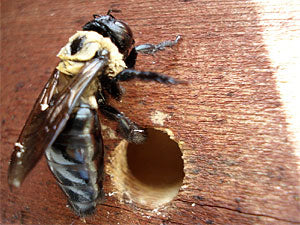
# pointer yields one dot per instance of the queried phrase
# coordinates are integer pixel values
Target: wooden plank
(240, 160)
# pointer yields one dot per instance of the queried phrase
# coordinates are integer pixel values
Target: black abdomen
(76, 159)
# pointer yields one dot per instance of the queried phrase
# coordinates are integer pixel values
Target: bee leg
(149, 49)
(129, 74)
(126, 128)
(131, 58)
(111, 86)
(152, 49)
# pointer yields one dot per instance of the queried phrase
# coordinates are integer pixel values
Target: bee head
(118, 31)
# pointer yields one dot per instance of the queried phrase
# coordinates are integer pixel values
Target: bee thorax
(91, 44)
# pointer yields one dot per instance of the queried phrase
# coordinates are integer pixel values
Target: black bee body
(64, 121)
(76, 159)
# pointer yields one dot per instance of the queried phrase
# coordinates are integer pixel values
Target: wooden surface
(240, 161)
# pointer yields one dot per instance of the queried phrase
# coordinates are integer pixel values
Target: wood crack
(240, 211)
(117, 207)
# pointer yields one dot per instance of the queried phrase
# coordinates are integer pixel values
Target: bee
(64, 123)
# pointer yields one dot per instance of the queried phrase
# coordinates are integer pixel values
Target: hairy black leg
(111, 86)
(130, 74)
(131, 59)
(148, 49)
(126, 128)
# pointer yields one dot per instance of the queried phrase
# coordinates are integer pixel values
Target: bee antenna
(114, 11)
(96, 15)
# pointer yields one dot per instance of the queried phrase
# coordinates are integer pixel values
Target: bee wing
(47, 119)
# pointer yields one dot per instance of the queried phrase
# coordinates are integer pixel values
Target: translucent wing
(47, 119)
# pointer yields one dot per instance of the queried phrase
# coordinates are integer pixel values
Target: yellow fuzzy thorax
(72, 64)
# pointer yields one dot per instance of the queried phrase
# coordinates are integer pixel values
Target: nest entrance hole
(151, 173)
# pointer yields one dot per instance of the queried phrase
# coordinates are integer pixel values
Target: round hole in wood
(155, 169)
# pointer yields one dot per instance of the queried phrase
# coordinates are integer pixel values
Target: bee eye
(77, 45)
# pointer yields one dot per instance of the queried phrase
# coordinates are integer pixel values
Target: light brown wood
(239, 160)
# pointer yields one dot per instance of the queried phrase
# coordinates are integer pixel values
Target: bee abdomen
(76, 160)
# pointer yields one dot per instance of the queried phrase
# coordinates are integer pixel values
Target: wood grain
(240, 163)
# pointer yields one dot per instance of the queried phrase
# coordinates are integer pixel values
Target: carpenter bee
(64, 121)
